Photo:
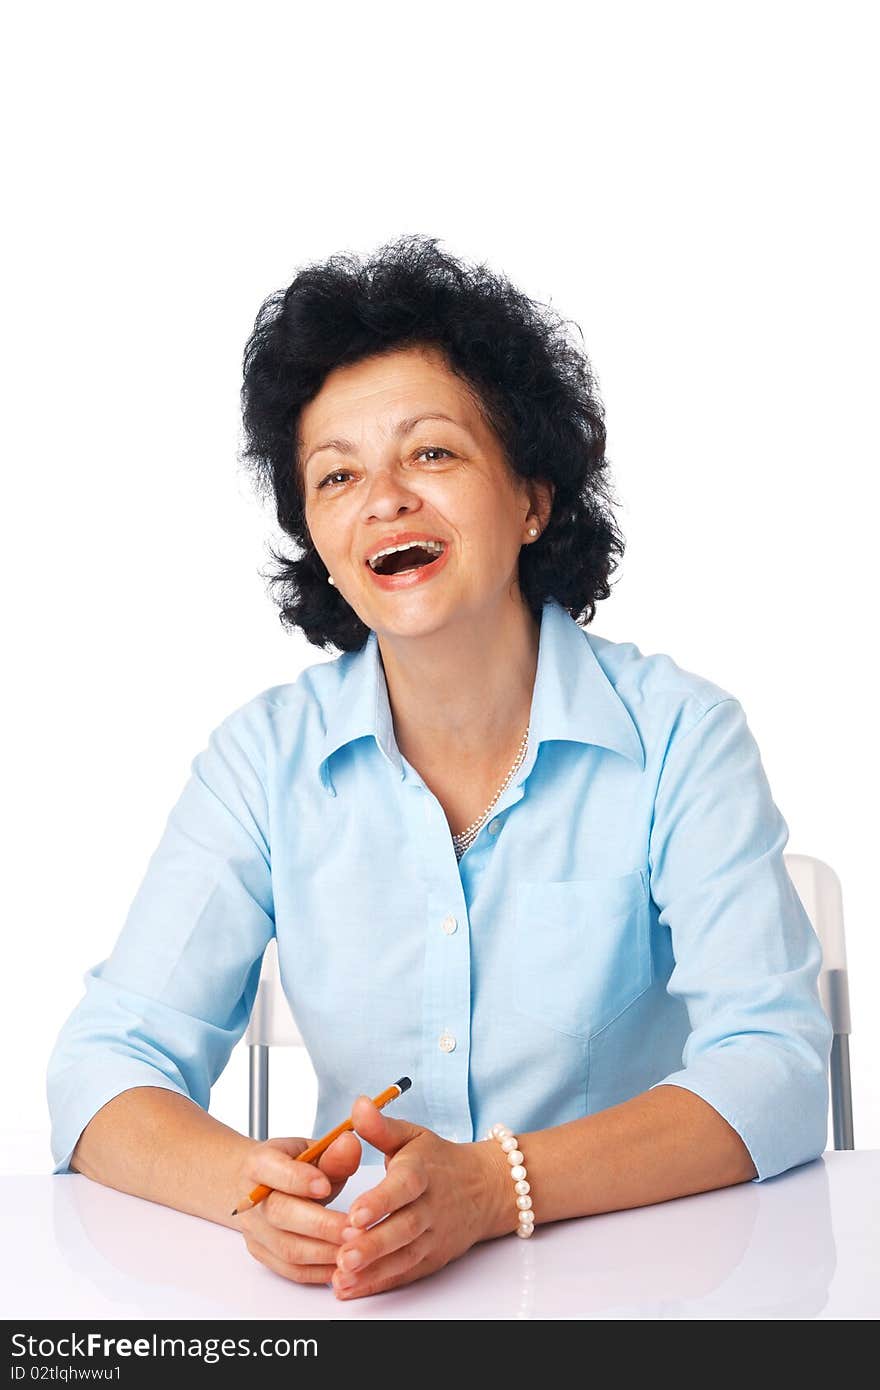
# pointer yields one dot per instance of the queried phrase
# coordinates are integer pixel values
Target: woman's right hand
(291, 1231)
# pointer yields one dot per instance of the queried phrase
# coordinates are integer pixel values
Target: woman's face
(373, 470)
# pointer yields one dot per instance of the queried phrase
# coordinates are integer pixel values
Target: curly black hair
(537, 391)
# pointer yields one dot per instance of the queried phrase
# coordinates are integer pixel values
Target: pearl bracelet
(507, 1140)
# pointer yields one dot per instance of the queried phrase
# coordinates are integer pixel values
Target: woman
(535, 870)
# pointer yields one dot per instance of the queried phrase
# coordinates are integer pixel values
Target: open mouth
(403, 559)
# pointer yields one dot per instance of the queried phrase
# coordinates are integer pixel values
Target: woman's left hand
(436, 1197)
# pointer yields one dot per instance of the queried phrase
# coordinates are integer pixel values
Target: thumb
(338, 1162)
(341, 1158)
(379, 1129)
(291, 1146)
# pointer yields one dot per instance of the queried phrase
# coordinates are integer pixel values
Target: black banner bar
(271, 1352)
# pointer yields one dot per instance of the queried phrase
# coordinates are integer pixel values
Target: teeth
(435, 546)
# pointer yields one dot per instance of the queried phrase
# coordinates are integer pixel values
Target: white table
(802, 1245)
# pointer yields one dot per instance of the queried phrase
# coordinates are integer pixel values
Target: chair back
(818, 888)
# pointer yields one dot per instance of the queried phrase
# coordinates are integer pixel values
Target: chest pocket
(582, 950)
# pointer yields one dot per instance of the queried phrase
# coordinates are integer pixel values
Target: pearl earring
(533, 530)
(330, 580)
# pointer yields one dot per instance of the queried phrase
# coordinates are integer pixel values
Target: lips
(402, 538)
(408, 578)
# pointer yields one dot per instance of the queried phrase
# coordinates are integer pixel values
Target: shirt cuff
(75, 1099)
(780, 1131)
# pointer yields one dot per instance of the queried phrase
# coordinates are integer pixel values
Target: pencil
(260, 1193)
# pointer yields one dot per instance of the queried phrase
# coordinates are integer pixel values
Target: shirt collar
(573, 698)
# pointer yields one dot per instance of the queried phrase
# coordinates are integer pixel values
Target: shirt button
(494, 827)
(447, 1042)
(449, 925)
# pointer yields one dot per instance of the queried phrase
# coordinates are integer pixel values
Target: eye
(340, 473)
(433, 449)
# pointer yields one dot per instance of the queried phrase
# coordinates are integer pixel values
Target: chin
(420, 619)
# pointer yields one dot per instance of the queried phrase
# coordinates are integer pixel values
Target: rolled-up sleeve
(746, 956)
(173, 998)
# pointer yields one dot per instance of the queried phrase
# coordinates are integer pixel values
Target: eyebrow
(403, 427)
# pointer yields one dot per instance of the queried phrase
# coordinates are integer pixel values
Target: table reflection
(757, 1250)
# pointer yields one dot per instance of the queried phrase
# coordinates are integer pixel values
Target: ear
(542, 493)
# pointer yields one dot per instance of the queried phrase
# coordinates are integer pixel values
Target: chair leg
(258, 1118)
(841, 1092)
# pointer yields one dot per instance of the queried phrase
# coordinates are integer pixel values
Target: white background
(694, 185)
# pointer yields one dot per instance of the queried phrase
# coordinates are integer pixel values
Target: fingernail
(351, 1259)
(350, 1233)
(320, 1186)
(360, 1217)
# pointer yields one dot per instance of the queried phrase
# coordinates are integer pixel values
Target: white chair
(271, 1025)
(818, 887)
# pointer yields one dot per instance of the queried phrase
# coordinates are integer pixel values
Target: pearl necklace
(467, 837)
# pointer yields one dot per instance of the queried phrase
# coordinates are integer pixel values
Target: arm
(662, 1144)
(747, 959)
(130, 1076)
(161, 1015)
(159, 1145)
(751, 1098)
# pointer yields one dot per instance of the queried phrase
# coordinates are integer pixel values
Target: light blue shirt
(624, 920)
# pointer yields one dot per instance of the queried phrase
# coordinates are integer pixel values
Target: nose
(387, 495)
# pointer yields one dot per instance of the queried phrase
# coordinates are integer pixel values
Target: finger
(301, 1216)
(299, 1274)
(295, 1248)
(270, 1165)
(400, 1230)
(379, 1129)
(413, 1262)
(403, 1183)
